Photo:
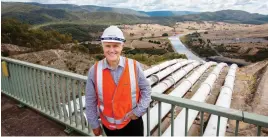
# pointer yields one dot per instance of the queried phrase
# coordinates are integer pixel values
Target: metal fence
(48, 91)
(59, 95)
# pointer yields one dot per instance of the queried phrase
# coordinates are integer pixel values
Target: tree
(165, 35)
(200, 41)
(208, 40)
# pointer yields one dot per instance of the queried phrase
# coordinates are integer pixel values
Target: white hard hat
(113, 34)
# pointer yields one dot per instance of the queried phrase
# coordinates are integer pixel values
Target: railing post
(10, 87)
(52, 85)
(49, 90)
(159, 119)
(57, 86)
(16, 83)
(218, 125)
(202, 123)
(258, 130)
(172, 120)
(186, 122)
(74, 102)
(148, 121)
(32, 89)
(40, 88)
(25, 84)
(81, 105)
(12, 80)
(21, 81)
(44, 79)
(69, 103)
(236, 127)
(28, 82)
(37, 96)
(63, 94)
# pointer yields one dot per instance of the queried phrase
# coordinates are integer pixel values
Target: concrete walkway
(17, 121)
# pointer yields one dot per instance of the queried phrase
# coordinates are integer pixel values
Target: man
(116, 90)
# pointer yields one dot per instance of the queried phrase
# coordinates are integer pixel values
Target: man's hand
(132, 116)
(97, 131)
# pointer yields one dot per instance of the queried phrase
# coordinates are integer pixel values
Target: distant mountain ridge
(89, 8)
(230, 16)
(36, 13)
(92, 8)
(167, 13)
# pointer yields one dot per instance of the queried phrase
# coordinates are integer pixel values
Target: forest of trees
(79, 32)
(15, 32)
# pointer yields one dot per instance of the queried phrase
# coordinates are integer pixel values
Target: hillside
(92, 8)
(89, 8)
(35, 13)
(226, 42)
(11, 6)
(230, 16)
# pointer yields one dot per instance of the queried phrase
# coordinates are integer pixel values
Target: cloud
(253, 6)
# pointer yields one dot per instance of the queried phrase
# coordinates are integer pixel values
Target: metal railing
(258, 120)
(49, 90)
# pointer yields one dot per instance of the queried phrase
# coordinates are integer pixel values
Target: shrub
(99, 57)
(164, 34)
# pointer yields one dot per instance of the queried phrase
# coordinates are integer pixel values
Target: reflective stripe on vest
(100, 89)
(99, 85)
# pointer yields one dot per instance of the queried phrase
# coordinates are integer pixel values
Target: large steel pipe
(171, 80)
(159, 67)
(166, 107)
(162, 74)
(200, 95)
(224, 100)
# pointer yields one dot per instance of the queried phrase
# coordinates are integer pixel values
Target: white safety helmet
(113, 34)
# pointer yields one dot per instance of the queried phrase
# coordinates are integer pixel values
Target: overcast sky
(253, 6)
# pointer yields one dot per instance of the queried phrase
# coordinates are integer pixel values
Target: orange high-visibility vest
(115, 102)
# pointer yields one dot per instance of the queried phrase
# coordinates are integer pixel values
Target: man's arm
(145, 92)
(91, 101)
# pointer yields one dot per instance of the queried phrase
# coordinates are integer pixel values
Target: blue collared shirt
(91, 98)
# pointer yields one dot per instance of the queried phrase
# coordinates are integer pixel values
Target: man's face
(112, 50)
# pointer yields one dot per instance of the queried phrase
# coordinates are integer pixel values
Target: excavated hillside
(66, 60)
(60, 59)
(251, 95)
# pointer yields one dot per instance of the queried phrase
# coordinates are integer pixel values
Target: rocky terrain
(250, 94)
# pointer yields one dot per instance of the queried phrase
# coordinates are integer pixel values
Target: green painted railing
(59, 95)
(47, 90)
